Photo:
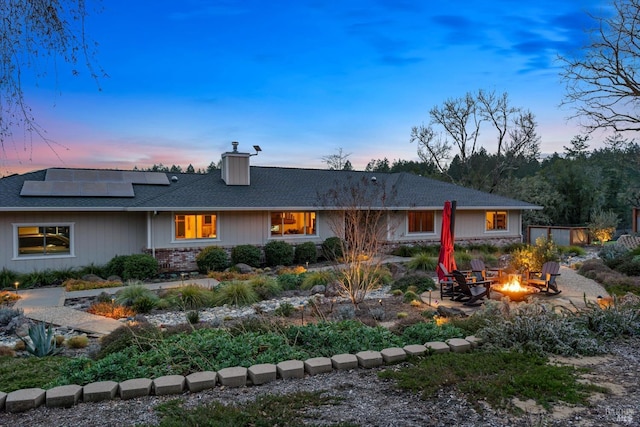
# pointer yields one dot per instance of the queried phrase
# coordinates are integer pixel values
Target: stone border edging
(69, 395)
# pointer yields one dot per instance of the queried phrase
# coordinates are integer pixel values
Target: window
(288, 223)
(496, 220)
(44, 240)
(196, 226)
(421, 222)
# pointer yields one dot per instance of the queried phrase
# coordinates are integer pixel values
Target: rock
(244, 268)
(92, 278)
(318, 289)
(450, 312)
(332, 290)
(114, 278)
(397, 270)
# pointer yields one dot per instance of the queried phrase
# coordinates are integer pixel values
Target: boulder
(318, 289)
(450, 312)
(244, 268)
(92, 278)
(332, 290)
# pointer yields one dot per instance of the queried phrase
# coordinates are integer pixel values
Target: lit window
(196, 226)
(421, 221)
(496, 220)
(291, 223)
(34, 240)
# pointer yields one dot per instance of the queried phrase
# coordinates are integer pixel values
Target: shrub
(344, 312)
(290, 281)
(285, 309)
(6, 351)
(140, 267)
(38, 278)
(7, 277)
(212, 258)
(332, 248)
(612, 255)
(603, 225)
(278, 252)
(315, 278)
(423, 261)
(193, 317)
(236, 293)
(306, 253)
(140, 336)
(111, 310)
(420, 282)
(266, 287)
(630, 267)
(71, 285)
(190, 297)
(130, 295)
(246, 254)
(420, 333)
(410, 296)
(79, 341)
(405, 251)
(115, 267)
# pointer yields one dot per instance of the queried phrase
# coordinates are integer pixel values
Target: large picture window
(196, 226)
(288, 223)
(421, 222)
(496, 220)
(44, 240)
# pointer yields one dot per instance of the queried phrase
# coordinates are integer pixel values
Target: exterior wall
(97, 237)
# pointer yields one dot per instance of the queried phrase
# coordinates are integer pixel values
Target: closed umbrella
(446, 240)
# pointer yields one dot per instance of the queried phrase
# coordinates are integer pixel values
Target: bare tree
(32, 31)
(601, 82)
(359, 216)
(338, 161)
(454, 130)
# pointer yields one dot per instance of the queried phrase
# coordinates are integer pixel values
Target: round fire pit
(516, 294)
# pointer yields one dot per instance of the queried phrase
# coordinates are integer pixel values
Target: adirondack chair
(447, 283)
(469, 293)
(480, 272)
(545, 279)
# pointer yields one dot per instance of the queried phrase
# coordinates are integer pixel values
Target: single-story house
(60, 218)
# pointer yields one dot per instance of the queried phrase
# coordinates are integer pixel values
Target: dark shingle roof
(271, 188)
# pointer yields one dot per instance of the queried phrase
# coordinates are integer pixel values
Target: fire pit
(514, 290)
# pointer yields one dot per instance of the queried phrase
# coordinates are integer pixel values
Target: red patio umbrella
(446, 239)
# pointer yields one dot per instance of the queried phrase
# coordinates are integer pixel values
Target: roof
(271, 188)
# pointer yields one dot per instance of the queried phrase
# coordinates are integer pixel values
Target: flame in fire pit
(514, 290)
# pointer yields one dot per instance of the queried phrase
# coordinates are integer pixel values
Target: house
(61, 218)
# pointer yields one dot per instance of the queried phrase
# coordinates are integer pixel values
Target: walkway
(47, 305)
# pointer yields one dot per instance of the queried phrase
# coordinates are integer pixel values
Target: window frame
(283, 235)
(215, 221)
(17, 256)
(496, 213)
(433, 225)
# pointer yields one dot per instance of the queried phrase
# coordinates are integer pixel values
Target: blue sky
(299, 78)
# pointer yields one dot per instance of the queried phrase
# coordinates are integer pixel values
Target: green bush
(422, 283)
(8, 278)
(278, 252)
(423, 261)
(420, 333)
(38, 278)
(115, 267)
(405, 251)
(306, 253)
(236, 293)
(141, 336)
(266, 287)
(246, 254)
(332, 248)
(140, 267)
(410, 296)
(190, 297)
(212, 258)
(318, 277)
(285, 309)
(137, 297)
(290, 281)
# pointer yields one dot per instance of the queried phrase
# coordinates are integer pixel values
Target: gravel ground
(371, 401)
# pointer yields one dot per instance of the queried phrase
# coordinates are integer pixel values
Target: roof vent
(374, 179)
(174, 178)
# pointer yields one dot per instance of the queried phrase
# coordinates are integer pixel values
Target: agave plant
(42, 341)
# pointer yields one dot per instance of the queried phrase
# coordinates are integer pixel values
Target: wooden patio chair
(545, 279)
(447, 284)
(480, 272)
(469, 293)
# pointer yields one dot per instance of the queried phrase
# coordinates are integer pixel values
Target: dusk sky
(299, 78)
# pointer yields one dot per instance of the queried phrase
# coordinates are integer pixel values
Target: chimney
(235, 167)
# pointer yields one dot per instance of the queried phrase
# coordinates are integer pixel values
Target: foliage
(139, 267)
(189, 297)
(278, 252)
(618, 319)
(8, 297)
(8, 277)
(603, 225)
(306, 253)
(138, 336)
(78, 341)
(225, 276)
(285, 309)
(266, 287)
(531, 258)
(138, 297)
(534, 328)
(38, 278)
(423, 261)
(193, 317)
(344, 312)
(29, 372)
(115, 266)
(428, 331)
(332, 248)
(611, 255)
(111, 310)
(246, 254)
(212, 258)
(236, 293)
(496, 378)
(410, 296)
(318, 277)
(71, 285)
(42, 340)
(290, 282)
